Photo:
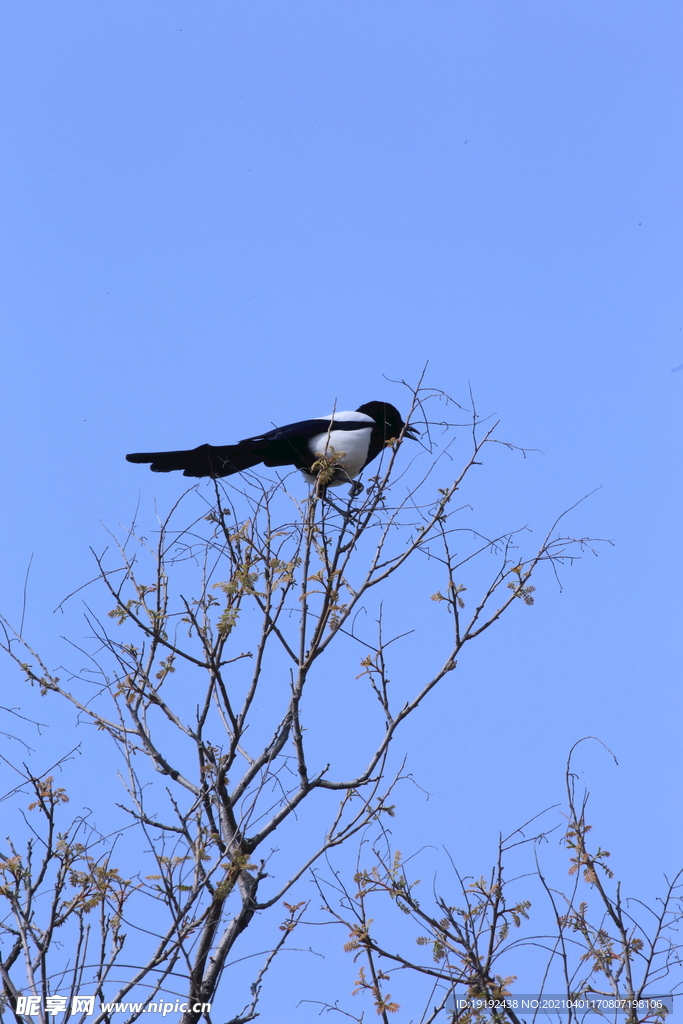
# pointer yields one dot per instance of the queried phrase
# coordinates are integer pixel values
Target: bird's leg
(356, 486)
(355, 489)
(322, 495)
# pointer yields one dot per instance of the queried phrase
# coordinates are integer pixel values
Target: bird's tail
(206, 460)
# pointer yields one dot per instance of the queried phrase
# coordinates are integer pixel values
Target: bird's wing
(304, 428)
(287, 445)
(290, 445)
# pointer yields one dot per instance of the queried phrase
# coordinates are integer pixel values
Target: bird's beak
(412, 433)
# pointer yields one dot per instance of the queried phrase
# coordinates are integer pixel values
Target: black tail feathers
(206, 460)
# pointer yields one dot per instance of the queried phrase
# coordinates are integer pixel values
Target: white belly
(354, 444)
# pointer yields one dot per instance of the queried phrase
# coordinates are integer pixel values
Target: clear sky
(223, 215)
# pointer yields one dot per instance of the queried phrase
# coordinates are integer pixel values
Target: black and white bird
(348, 441)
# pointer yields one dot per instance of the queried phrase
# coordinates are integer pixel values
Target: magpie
(337, 446)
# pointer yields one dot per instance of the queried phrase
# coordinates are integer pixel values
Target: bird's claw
(356, 489)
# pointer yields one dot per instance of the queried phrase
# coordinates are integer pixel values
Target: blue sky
(222, 215)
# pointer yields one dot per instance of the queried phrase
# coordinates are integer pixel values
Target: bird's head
(388, 417)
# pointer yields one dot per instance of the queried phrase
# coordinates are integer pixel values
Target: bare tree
(205, 681)
(602, 953)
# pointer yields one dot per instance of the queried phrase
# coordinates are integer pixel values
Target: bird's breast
(354, 444)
